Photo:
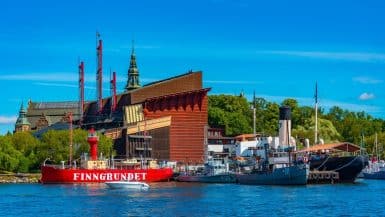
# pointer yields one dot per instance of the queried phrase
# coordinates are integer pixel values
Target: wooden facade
(188, 111)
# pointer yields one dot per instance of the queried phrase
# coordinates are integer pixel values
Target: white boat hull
(128, 185)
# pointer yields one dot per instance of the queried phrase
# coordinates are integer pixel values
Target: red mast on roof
(99, 74)
(81, 90)
(113, 92)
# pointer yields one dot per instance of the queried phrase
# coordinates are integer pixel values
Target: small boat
(128, 185)
(375, 170)
(376, 167)
(215, 171)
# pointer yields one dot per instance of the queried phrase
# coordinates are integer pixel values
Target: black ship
(344, 158)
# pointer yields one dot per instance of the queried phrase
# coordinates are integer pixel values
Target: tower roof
(133, 72)
(22, 119)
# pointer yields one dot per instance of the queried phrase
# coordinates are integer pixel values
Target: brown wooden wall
(188, 113)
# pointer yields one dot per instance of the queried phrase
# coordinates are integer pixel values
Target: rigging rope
(323, 163)
(346, 164)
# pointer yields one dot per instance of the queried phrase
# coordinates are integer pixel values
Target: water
(365, 198)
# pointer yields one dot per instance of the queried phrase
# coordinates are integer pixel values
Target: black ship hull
(348, 167)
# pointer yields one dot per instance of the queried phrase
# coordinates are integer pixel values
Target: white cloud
(350, 56)
(7, 120)
(57, 85)
(66, 85)
(366, 96)
(367, 80)
(60, 76)
(230, 82)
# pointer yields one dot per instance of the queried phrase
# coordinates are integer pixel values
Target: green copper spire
(22, 119)
(133, 72)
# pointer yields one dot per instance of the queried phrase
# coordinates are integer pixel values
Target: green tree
(231, 112)
(55, 145)
(9, 156)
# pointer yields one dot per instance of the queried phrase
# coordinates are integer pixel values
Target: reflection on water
(190, 199)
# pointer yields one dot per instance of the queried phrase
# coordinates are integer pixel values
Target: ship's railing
(117, 163)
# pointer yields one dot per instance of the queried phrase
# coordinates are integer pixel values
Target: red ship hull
(52, 174)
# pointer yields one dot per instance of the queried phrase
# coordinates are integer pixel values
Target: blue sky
(277, 48)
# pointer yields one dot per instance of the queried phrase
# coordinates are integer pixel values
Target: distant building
(44, 114)
(218, 144)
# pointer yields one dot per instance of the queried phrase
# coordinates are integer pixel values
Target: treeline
(22, 152)
(234, 113)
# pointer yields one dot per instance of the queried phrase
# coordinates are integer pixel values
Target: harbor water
(364, 198)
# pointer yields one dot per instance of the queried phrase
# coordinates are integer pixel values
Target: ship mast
(254, 116)
(81, 92)
(316, 115)
(99, 73)
(375, 142)
(71, 136)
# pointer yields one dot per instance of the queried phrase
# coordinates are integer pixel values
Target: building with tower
(166, 120)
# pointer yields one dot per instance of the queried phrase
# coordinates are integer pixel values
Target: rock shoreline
(20, 178)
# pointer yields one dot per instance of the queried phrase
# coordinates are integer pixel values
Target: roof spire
(133, 72)
(22, 123)
(133, 47)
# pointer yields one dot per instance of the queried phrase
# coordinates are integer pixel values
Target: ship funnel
(93, 139)
(284, 126)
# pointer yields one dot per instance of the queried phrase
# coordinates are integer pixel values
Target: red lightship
(96, 170)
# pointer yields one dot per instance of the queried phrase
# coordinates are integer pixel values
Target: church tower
(22, 123)
(133, 73)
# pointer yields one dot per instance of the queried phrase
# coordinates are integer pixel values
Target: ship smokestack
(284, 125)
(93, 139)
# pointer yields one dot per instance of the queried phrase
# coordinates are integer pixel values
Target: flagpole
(316, 115)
